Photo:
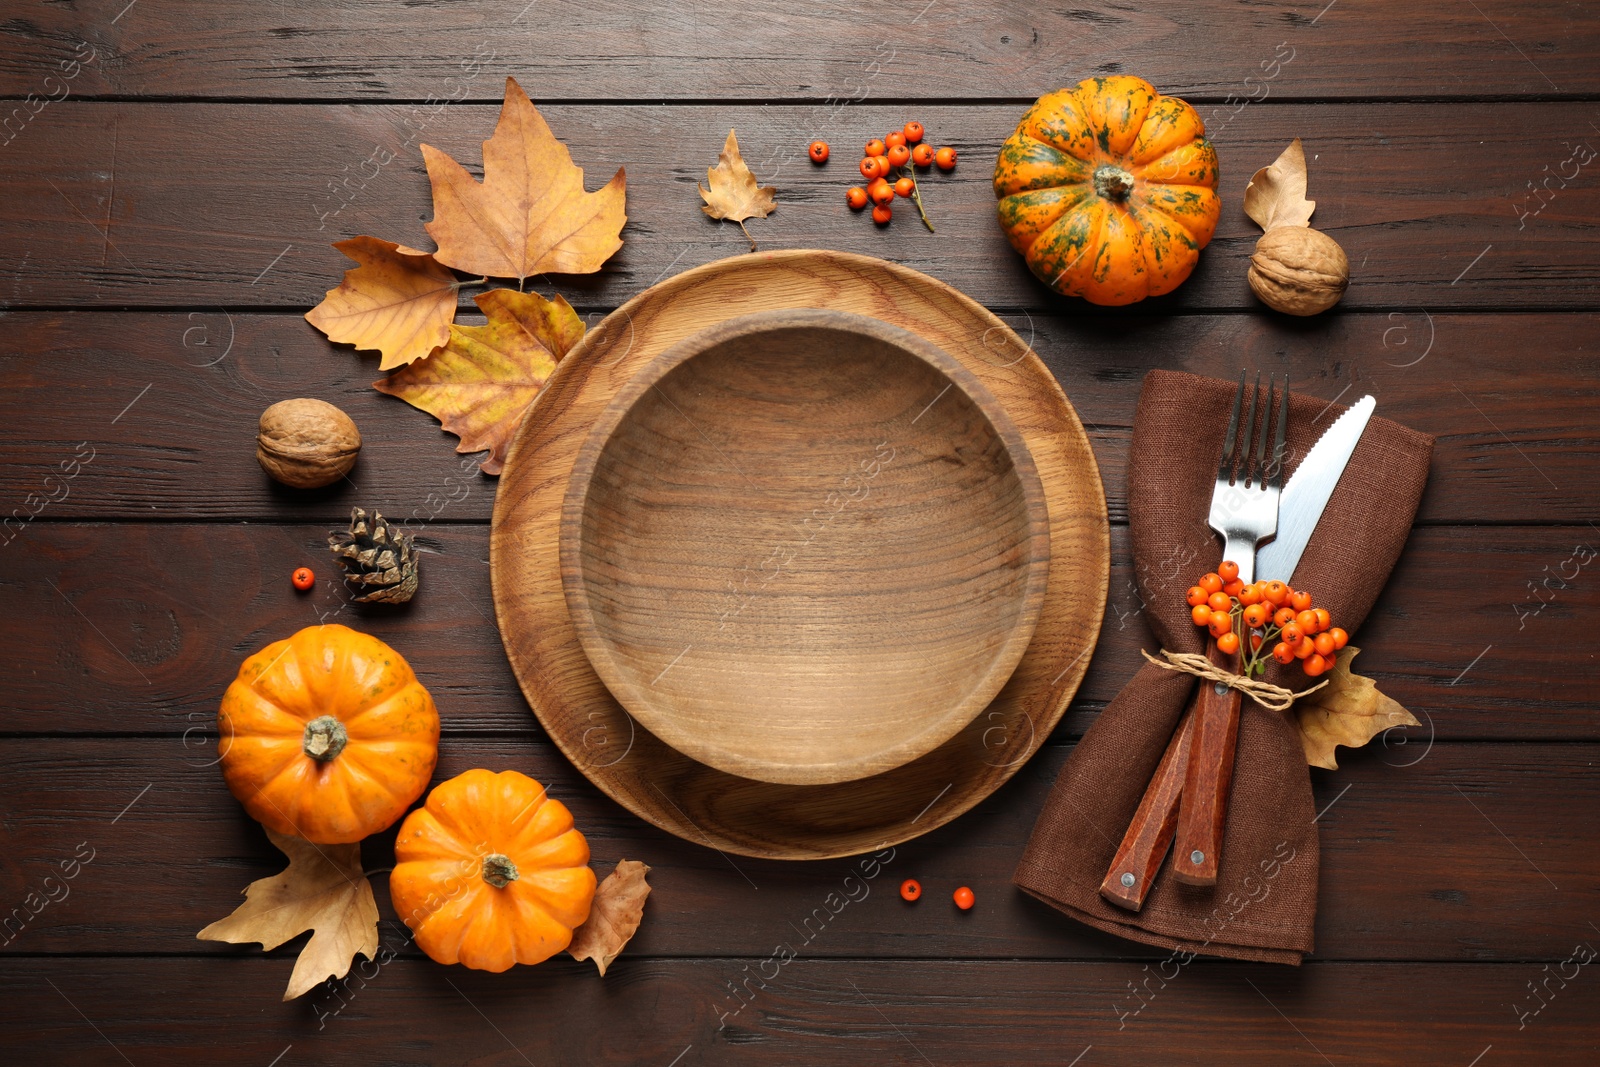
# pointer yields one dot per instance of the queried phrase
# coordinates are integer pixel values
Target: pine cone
(379, 560)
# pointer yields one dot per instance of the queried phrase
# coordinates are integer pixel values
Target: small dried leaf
(399, 301)
(323, 890)
(734, 194)
(613, 917)
(1348, 711)
(530, 213)
(481, 382)
(1276, 196)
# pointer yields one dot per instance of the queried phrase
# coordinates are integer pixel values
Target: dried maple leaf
(1276, 196)
(482, 381)
(734, 194)
(322, 890)
(399, 301)
(614, 916)
(1348, 711)
(530, 214)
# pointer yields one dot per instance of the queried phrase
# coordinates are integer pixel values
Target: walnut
(306, 443)
(1298, 270)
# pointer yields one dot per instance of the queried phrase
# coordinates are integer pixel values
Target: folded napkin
(1264, 904)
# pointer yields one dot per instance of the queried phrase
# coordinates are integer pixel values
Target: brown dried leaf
(734, 194)
(480, 384)
(323, 890)
(1276, 196)
(399, 301)
(1348, 711)
(530, 214)
(613, 917)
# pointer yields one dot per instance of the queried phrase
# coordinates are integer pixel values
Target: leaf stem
(752, 240)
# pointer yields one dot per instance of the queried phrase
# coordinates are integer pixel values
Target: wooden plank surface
(233, 205)
(1412, 858)
(149, 623)
(169, 403)
(833, 51)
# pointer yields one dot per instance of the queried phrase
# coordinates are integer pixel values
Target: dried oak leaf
(482, 381)
(530, 214)
(322, 890)
(734, 194)
(1348, 711)
(1276, 195)
(399, 301)
(613, 917)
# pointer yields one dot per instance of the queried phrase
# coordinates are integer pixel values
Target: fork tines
(1240, 461)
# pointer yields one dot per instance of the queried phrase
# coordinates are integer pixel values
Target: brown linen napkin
(1264, 904)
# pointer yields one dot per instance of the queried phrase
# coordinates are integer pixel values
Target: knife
(1300, 507)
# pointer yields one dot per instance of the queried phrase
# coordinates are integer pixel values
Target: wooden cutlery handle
(1149, 835)
(1203, 808)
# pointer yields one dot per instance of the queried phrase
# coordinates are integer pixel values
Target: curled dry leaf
(1276, 196)
(482, 381)
(734, 194)
(613, 917)
(322, 890)
(399, 301)
(1348, 711)
(530, 214)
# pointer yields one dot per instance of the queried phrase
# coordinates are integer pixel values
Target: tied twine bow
(1272, 697)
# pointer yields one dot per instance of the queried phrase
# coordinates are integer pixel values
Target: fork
(1244, 510)
(1188, 794)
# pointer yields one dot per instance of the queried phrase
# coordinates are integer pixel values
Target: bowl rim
(985, 685)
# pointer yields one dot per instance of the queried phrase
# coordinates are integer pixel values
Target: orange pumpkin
(327, 735)
(1108, 190)
(490, 872)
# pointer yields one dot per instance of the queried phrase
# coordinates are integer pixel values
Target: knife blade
(1300, 506)
(1307, 492)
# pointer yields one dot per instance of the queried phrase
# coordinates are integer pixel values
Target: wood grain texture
(200, 205)
(804, 546)
(737, 814)
(1516, 436)
(185, 604)
(833, 54)
(986, 1014)
(1409, 866)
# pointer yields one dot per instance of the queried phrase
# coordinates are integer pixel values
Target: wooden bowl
(804, 546)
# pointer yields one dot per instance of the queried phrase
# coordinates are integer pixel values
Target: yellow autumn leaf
(530, 213)
(322, 890)
(399, 301)
(1276, 195)
(1348, 711)
(734, 194)
(481, 382)
(613, 917)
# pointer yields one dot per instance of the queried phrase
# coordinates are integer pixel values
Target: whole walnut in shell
(1298, 270)
(306, 443)
(1295, 269)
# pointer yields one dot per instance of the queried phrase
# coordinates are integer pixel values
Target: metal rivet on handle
(1219, 689)
(1197, 857)
(1128, 879)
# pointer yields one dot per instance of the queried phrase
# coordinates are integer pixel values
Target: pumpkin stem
(1113, 183)
(325, 738)
(498, 870)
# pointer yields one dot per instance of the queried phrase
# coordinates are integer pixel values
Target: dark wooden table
(170, 188)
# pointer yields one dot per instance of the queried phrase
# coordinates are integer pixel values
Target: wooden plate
(804, 546)
(712, 807)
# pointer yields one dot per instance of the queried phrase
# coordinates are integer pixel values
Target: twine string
(1272, 697)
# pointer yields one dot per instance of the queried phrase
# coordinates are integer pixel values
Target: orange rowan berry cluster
(1265, 616)
(887, 166)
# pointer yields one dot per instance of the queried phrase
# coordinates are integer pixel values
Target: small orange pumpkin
(490, 872)
(327, 735)
(1108, 190)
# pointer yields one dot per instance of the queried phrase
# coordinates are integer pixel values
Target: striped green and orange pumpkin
(1109, 190)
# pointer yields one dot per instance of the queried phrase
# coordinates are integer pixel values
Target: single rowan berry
(881, 214)
(875, 147)
(1324, 643)
(1307, 621)
(1283, 617)
(1340, 638)
(1201, 614)
(1250, 594)
(922, 155)
(1228, 571)
(905, 187)
(1314, 665)
(1292, 633)
(895, 138)
(1220, 602)
(303, 579)
(945, 158)
(1197, 595)
(1277, 592)
(1301, 601)
(1211, 583)
(963, 898)
(1305, 648)
(1220, 624)
(880, 191)
(910, 889)
(1255, 615)
(1228, 643)
(898, 156)
(1282, 653)
(874, 167)
(1233, 588)
(1324, 620)
(856, 197)
(913, 132)
(819, 151)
